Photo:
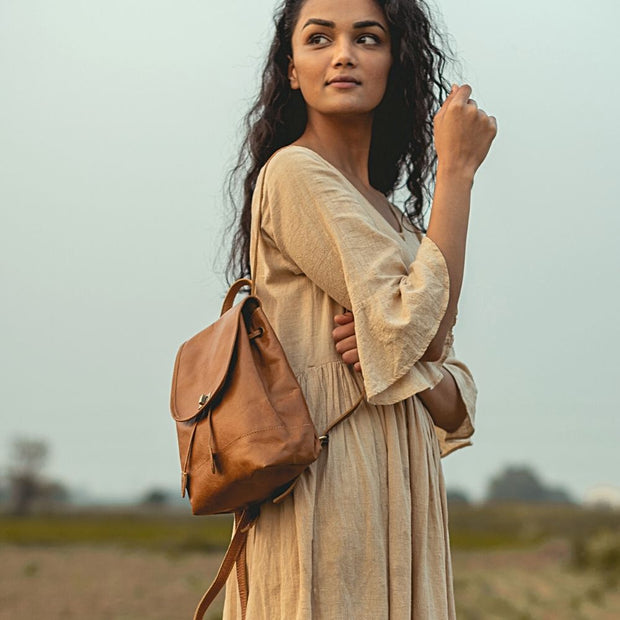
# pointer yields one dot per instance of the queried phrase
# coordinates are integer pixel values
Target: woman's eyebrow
(368, 23)
(327, 24)
(319, 22)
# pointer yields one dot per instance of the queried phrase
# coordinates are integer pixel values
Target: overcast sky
(118, 122)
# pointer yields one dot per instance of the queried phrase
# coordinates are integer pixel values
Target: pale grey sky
(118, 122)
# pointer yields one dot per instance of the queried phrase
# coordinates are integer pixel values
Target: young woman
(350, 107)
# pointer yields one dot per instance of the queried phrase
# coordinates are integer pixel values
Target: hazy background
(118, 122)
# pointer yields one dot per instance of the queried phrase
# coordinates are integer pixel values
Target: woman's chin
(345, 109)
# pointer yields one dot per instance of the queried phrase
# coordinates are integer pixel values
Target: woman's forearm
(448, 230)
(444, 403)
(463, 135)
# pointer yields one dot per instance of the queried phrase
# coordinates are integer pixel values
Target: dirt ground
(91, 583)
(536, 584)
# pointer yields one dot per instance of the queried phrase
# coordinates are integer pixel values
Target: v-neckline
(400, 233)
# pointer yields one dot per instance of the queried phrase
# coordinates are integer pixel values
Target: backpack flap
(203, 362)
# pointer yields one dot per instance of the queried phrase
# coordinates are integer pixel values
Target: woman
(349, 100)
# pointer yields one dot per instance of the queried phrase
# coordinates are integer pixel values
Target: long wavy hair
(402, 134)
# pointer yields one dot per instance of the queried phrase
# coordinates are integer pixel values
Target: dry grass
(101, 583)
(536, 584)
(107, 583)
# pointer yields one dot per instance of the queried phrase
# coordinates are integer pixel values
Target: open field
(101, 583)
(511, 562)
(536, 584)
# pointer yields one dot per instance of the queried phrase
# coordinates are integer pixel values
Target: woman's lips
(343, 81)
(343, 84)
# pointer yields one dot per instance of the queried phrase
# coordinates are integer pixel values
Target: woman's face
(341, 56)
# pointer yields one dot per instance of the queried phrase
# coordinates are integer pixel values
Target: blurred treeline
(519, 510)
(26, 489)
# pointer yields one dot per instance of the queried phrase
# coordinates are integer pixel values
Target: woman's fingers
(343, 319)
(346, 344)
(346, 326)
(462, 94)
(351, 357)
(447, 100)
(346, 341)
(347, 349)
(343, 331)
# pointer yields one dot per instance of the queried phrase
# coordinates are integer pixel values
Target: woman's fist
(463, 133)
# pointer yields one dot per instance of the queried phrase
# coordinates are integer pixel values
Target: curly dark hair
(402, 134)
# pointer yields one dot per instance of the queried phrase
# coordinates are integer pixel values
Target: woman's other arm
(463, 137)
(443, 402)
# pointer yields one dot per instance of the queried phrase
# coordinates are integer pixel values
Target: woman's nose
(344, 54)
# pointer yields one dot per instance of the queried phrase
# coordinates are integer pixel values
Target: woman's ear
(292, 74)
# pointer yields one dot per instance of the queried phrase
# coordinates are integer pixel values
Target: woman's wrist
(456, 175)
(444, 403)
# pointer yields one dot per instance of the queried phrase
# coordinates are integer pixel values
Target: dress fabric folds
(364, 536)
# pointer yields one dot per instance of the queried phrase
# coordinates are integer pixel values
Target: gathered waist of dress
(330, 389)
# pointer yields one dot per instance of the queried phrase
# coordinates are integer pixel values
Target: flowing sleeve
(461, 437)
(323, 231)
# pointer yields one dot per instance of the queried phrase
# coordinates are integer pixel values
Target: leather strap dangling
(235, 554)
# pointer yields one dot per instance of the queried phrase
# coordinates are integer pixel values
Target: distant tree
(558, 495)
(28, 456)
(155, 497)
(5, 492)
(457, 496)
(28, 488)
(51, 493)
(522, 484)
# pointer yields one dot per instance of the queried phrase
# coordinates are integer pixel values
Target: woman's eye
(369, 39)
(365, 39)
(315, 39)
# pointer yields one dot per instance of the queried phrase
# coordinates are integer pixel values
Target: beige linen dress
(364, 536)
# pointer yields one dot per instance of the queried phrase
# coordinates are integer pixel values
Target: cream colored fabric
(365, 534)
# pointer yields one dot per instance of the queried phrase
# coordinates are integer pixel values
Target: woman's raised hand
(463, 133)
(346, 342)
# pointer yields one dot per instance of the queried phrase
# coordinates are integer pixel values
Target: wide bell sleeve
(468, 392)
(328, 235)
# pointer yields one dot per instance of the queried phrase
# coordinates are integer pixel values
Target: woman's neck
(343, 142)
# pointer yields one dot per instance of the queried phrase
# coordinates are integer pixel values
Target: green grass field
(158, 532)
(471, 527)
